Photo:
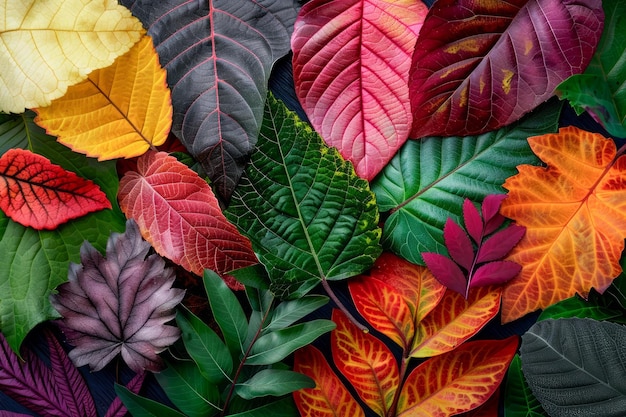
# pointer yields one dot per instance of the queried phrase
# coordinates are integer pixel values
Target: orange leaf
(457, 381)
(574, 212)
(329, 397)
(456, 319)
(366, 362)
(119, 111)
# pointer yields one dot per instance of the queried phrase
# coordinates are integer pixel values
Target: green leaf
(277, 345)
(227, 313)
(576, 366)
(617, 289)
(288, 312)
(600, 89)
(595, 307)
(519, 400)
(281, 408)
(205, 347)
(274, 382)
(185, 386)
(307, 214)
(143, 407)
(254, 276)
(427, 181)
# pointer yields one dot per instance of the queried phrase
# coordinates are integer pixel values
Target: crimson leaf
(119, 304)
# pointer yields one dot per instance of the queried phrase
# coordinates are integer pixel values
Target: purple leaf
(458, 244)
(119, 304)
(4, 413)
(500, 243)
(473, 221)
(117, 408)
(495, 273)
(446, 272)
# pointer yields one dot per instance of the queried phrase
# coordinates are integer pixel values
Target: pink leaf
(495, 273)
(446, 272)
(500, 243)
(117, 408)
(458, 244)
(473, 221)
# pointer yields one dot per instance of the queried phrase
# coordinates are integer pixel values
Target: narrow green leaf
(282, 408)
(308, 215)
(227, 312)
(143, 407)
(205, 347)
(427, 181)
(275, 382)
(275, 346)
(288, 312)
(519, 400)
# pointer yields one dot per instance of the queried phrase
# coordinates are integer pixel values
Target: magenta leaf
(119, 304)
(491, 206)
(459, 245)
(493, 273)
(446, 271)
(117, 408)
(500, 243)
(473, 221)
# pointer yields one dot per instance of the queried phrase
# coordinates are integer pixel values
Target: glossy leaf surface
(307, 214)
(218, 56)
(118, 112)
(481, 65)
(574, 212)
(359, 103)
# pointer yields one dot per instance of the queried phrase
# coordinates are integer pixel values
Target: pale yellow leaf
(48, 45)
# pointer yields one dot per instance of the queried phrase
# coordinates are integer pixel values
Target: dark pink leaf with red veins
(495, 273)
(446, 271)
(482, 64)
(473, 221)
(179, 215)
(500, 243)
(351, 67)
(37, 193)
(459, 244)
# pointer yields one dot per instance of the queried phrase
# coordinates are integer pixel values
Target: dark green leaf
(281, 408)
(143, 407)
(307, 214)
(595, 308)
(576, 367)
(288, 312)
(252, 276)
(427, 181)
(519, 400)
(275, 382)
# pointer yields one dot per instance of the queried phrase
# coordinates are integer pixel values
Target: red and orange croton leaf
(37, 193)
(457, 381)
(180, 216)
(330, 398)
(574, 212)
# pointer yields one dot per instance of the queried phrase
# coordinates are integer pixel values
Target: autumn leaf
(360, 102)
(178, 214)
(119, 112)
(48, 46)
(574, 212)
(37, 193)
(119, 304)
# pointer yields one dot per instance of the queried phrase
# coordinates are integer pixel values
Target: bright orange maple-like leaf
(574, 212)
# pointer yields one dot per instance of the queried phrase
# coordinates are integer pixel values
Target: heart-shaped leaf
(480, 65)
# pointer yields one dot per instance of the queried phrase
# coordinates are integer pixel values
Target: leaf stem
(342, 307)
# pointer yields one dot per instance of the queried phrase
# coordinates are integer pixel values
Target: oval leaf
(458, 244)
(275, 382)
(494, 273)
(500, 243)
(480, 65)
(472, 220)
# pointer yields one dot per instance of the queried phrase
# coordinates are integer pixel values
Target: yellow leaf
(119, 111)
(46, 46)
(574, 212)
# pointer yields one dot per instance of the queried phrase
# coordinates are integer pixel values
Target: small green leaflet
(308, 215)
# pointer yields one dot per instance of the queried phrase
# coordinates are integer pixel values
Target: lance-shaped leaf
(118, 112)
(119, 304)
(600, 89)
(330, 397)
(308, 215)
(179, 215)
(50, 46)
(574, 212)
(218, 56)
(469, 374)
(366, 362)
(359, 103)
(480, 65)
(590, 353)
(428, 180)
(37, 193)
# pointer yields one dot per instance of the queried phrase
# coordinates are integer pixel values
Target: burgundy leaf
(117, 408)
(446, 272)
(500, 243)
(458, 244)
(491, 206)
(495, 273)
(473, 221)
(119, 304)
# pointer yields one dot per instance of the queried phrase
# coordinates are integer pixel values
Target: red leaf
(500, 243)
(473, 221)
(458, 244)
(446, 272)
(495, 273)
(35, 192)
(490, 208)
(482, 64)
(178, 214)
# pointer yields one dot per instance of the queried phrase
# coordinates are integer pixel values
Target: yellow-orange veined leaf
(330, 397)
(457, 381)
(118, 111)
(366, 362)
(46, 46)
(455, 320)
(574, 212)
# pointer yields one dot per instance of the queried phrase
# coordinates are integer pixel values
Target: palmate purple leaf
(119, 304)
